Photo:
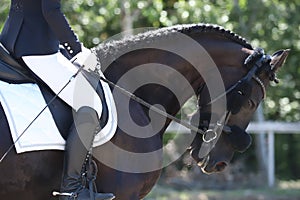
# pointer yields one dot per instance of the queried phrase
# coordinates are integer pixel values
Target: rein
(209, 134)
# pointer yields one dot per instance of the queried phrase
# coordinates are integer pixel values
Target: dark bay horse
(164, 67)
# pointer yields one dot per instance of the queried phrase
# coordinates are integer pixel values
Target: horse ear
(278, 58)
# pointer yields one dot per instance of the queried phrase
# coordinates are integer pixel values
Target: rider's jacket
(37, 27)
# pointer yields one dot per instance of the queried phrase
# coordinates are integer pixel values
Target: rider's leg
(55, 70)
(79, 142)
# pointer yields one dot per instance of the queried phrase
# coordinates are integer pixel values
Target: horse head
(226, 133)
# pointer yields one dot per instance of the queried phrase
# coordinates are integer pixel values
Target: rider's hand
(86, 57)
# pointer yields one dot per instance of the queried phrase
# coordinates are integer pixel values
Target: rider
(32, 34)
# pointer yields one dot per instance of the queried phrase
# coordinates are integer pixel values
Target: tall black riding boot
(78, 146)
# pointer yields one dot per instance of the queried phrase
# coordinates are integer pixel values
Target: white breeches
(56, 70)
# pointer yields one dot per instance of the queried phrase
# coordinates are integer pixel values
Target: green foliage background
(271, 24)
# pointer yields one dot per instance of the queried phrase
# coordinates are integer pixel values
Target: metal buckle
(209, 133)
(213, 132)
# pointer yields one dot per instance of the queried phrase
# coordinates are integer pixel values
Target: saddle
(11, 71)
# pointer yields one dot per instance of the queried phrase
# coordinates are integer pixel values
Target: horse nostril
(220, 166)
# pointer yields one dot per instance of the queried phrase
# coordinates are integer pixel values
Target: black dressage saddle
(11, 71)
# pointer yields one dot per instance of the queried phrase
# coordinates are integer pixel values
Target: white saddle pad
(23, 102)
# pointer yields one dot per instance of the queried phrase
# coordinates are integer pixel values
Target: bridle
(261, 60)
(262, 86)
(208, 135)
(257, 63)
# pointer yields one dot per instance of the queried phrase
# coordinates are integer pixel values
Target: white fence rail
(267, 127)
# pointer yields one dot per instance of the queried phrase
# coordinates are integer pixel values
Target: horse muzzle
(208, 165)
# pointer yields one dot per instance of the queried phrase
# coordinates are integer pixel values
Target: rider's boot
(77, 150)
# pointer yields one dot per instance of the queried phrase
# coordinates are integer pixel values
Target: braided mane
(108, 50)
(213, 28)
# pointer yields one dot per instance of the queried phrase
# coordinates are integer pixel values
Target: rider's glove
(87, 58)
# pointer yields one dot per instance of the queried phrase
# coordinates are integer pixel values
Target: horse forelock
(109, 50)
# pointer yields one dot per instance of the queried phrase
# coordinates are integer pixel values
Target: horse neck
(171, 74)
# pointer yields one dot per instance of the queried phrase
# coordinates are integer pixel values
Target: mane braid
(108, 50)
(213, 28)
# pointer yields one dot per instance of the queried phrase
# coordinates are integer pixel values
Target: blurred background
(270, 24)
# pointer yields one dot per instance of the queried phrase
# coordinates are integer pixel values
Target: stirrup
(88, 177)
